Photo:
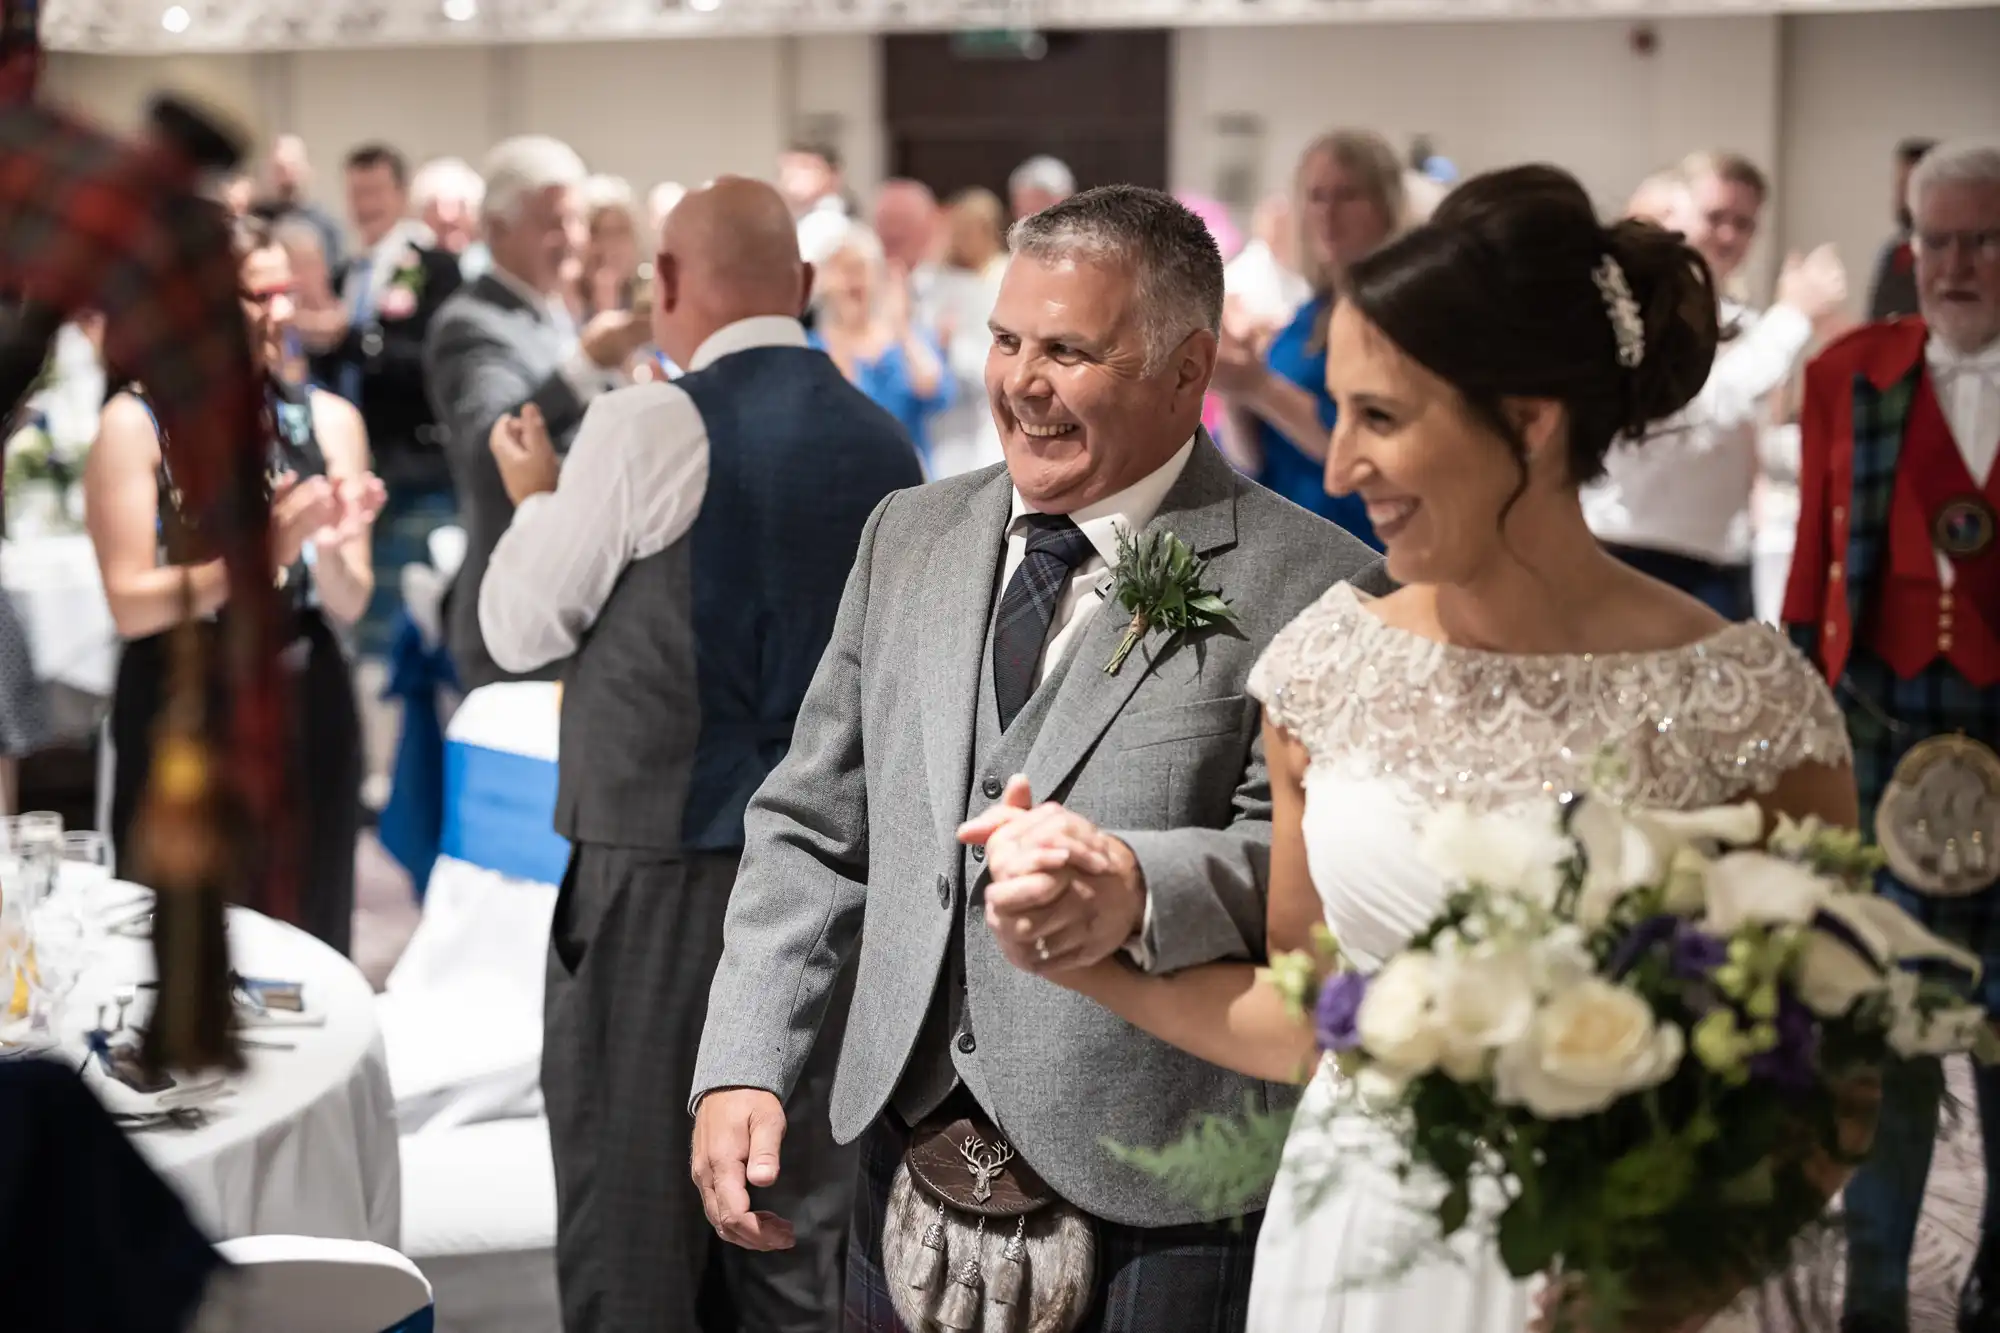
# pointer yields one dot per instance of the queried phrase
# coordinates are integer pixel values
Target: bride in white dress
(1482, 366)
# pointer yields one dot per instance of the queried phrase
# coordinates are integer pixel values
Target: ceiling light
(175, 19)
(460, 11)
(704, 6)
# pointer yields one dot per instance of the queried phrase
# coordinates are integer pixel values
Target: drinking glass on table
(86, 859)
(36, 839)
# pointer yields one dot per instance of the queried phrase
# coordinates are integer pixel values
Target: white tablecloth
(55, 585)
(306, 1145)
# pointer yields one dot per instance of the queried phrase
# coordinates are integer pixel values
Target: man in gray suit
(508, 340)
(971, 645)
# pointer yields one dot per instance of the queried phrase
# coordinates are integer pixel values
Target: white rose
(1485, 1001)
(1588, 1047)
(1752, 887)
(1519, 851)
(1397, 1023)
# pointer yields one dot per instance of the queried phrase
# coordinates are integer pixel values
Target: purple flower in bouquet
(1697, 953)
(1792, 1063)
(1336, 1016)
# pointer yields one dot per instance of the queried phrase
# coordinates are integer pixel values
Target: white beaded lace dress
(1394, 725)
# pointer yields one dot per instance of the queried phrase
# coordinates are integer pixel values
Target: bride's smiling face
(1439, 484)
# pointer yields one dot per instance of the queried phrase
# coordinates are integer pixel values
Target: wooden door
(1097, 100)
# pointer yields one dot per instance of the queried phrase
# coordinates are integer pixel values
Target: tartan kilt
(1182, 1279)
(1937, 702)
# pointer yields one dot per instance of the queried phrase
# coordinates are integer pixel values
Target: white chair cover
(462, 1012)
(304, 1284)
(479, 1217)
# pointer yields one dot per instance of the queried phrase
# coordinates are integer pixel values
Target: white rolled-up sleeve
(631, 486)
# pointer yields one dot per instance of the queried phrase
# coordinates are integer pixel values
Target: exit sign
(999, 44)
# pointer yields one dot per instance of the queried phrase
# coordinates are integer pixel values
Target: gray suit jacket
(854, 833)
(488, 353)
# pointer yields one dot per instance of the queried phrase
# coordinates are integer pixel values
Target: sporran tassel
(960, 1311)
(182, 855)
(1005, 1288)
(929, 1265)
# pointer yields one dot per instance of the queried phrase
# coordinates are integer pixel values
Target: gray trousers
(635, 942)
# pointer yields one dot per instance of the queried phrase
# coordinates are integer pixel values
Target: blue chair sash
(499, 813)
(412, 823)
(423, 1321)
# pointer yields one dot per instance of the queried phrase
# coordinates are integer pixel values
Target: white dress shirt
(1968, 391)
(376, 265)
(1685, 487)
(631, 487)
(1130, 510)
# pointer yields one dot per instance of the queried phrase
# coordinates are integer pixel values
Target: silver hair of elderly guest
(1176, 296)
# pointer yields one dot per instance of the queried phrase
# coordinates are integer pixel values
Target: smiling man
(971, 647)
(1895, 593)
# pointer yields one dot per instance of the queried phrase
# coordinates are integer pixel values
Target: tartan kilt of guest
(1184, 1279)
(1938, 702)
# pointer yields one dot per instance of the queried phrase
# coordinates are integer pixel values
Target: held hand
(1061, 893)
(737, 1136)
(1815, 286)
(611, 337)
(522, 451)
(298, 510)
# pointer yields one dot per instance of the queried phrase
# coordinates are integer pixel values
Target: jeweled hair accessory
(1623, 311)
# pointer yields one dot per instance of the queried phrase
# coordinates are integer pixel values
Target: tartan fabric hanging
(88, 222)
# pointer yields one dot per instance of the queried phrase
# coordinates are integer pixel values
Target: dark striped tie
(1055, 547)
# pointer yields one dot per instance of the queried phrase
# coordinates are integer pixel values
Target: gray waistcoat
(941, 1059)
(631, 711)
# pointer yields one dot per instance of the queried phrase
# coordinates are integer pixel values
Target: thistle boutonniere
(1159, 581)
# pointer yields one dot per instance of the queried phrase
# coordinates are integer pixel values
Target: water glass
(37, 842)
(87, 860)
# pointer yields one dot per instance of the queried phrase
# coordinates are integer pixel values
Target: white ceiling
(165, 26)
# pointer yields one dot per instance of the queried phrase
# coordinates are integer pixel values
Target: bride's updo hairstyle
(1514, 289)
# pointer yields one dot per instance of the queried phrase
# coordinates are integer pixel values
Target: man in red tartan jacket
(1895, 593)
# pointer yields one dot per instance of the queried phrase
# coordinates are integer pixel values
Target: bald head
(906, 220)
(728, 251)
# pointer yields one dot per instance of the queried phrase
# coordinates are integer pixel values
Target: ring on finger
(1041, 949)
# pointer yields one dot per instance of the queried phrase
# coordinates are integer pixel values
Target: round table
(306, 1144)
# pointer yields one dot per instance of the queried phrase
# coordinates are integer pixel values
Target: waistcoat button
(944, 890)
(966, 1044)
(992, 787)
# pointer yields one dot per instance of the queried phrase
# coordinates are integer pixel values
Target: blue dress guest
(866, 326)
(1348, 199)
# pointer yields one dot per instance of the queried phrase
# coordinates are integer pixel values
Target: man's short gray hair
(1049, 174)
(446, 178)
(1169, 250)
(1959, 162)
(527, 165)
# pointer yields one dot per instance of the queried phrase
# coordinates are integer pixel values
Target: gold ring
(1041, 948)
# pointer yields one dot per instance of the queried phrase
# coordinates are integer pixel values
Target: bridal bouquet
(1640, 1032)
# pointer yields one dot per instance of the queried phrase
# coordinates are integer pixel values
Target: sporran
(976, 1242)
(1939, 820)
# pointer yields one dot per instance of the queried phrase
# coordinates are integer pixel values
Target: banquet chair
(304, 1284)
(462, 1020)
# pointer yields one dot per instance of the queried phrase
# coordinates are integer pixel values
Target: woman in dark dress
(156, 564)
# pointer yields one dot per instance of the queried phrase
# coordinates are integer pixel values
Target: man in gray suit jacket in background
(972, 645)
(507, 340)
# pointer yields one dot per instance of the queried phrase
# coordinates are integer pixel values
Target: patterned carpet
(1950, 1229)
